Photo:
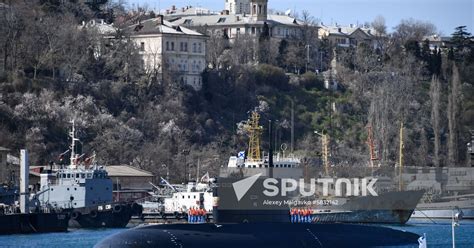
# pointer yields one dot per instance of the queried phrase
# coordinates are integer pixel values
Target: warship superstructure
(84, 190)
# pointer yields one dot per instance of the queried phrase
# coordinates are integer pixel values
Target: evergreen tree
(462, 42)
(454, 104)
(412, 47)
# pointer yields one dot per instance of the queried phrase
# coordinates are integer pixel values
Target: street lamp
(167, 171)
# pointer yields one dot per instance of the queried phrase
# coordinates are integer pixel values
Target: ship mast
(400, 162)
(370, 143)
(254, 130)
(73, 141)
(325, 150)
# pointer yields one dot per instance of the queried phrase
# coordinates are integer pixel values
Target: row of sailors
(197, 215)
(298, 215)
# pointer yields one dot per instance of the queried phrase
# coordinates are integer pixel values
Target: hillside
(50, 74)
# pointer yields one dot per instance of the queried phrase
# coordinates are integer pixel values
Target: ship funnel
(24, 181)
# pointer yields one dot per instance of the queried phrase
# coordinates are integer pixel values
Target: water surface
(438, 235)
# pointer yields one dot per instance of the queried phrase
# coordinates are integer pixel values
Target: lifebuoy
(117, 208)
(93, 214)
(76, 215)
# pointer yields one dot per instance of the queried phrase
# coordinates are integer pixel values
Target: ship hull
(107, 216)
(359, 216)
(441, 213)
(394, 207)
(262, 235)
(33, 223)
(444, 210)
(365, 216)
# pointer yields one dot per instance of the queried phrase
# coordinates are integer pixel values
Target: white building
(250, 21)
(237, 6)
(348, 36)
(170, 48)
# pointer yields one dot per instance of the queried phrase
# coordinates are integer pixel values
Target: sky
(445, 14)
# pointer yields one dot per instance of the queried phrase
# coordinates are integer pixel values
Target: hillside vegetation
(50, 74)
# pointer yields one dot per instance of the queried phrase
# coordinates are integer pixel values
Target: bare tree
(380, 32)
(435, 95)
(413, 30)
(379, 25)
(216, 45)
(244, 49)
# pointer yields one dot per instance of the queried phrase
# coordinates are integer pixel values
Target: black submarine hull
(384, 216)
(262, 235)
(33, 223)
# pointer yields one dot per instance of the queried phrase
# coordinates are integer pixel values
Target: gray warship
(84, 190)
(389, 206)
(447, 189)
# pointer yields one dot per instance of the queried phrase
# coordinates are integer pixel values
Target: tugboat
(84, 190)
(23, 219)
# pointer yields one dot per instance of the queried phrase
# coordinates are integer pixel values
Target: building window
(238, 31)
(142, 46)
(194, 48)
(183, 46)
(172, 46)
(167, 46)
(199, 48)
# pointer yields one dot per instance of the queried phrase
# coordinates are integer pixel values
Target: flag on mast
(61, 156)
(205, 178)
